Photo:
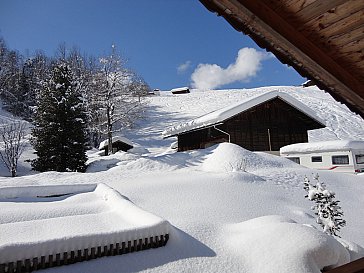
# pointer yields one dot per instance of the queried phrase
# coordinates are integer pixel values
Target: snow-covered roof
(179, 89)
(223, 114)
(104, 143)
(323, 146)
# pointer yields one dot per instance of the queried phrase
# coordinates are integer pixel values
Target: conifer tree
(328, 211)
(59, 133)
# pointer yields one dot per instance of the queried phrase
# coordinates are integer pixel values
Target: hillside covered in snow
(230, 210)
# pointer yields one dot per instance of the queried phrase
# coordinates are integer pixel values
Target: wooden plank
(99, 251)
(79, 256)
(50, 260)
(355, 34)
(58, 259)
(35, 264)
(123, 248)
(128, 249)
(356, 46)
(10, 267)
(19, 266)
(315, 9)
(111, 250)
(65, 258)
(27, 265)
(344, 25)
(42, 262)
(326, 19)
(93, 251)
(72, 257)
(86, 257)
(356, 266)
(289, 6)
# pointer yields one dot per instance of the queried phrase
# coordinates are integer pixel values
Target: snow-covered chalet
(263, 123)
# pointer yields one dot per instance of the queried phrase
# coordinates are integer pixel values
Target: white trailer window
(316, 159)
(359, 159)
(294, 159)
(340, 159)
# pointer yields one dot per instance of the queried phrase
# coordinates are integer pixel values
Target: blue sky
(156, 37)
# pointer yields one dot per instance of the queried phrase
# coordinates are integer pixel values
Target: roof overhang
(320, 39)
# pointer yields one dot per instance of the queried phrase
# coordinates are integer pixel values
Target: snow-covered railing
(71, 257)
(47, 226)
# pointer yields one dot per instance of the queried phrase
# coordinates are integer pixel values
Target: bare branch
(12, 136)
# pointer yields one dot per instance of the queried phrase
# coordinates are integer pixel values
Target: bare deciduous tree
(12, 136)
(116, 104)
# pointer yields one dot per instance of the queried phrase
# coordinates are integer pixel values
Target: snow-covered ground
(212, 203)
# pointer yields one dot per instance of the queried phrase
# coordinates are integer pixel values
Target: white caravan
(337, 155)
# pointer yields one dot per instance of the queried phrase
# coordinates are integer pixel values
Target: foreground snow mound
(229, 157)
(278, 244)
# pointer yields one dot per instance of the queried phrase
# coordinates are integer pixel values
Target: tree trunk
(109, 132)
(13, 171)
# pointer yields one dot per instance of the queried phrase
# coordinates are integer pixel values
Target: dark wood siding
(265, 127)
(118, 146)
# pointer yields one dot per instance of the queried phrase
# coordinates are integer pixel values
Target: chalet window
(316, 159)
(295, 159)
(340, 159)
(359, 159)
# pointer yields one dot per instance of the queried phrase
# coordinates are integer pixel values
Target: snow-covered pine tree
(58, 135)
(329, 213)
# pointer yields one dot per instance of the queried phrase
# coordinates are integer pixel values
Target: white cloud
(246, 66)
(183, 67)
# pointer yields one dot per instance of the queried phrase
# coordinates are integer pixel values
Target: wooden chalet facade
(182, 90)
(118, 144)
(266, 126)
(321, 39)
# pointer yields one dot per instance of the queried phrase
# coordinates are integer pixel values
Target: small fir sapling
(239, 165)
(329, 213)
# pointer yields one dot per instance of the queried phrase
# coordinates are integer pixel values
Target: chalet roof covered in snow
(223, 114)
(323, 146)
(104, 143)
(179, 89)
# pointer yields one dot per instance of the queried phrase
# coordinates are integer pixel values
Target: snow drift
(229, 157)
(278, 244)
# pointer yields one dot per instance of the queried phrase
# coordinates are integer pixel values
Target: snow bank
(137, 149)
(87, 216)
(278, 244)
(323, 146)
(229, 157)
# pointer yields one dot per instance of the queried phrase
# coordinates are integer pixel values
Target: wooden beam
(345, 10)
(356, 266)
(316, 9)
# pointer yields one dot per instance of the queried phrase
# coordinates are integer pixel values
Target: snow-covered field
(212, 203)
